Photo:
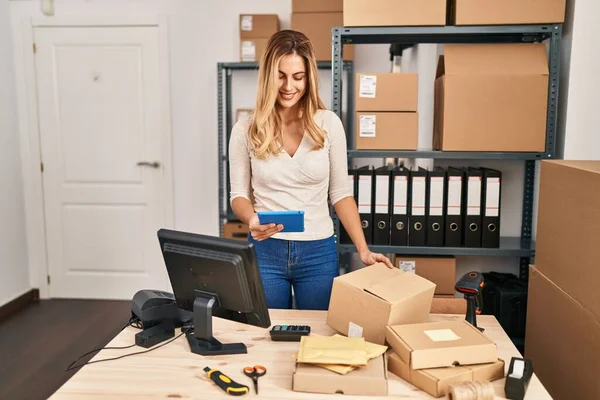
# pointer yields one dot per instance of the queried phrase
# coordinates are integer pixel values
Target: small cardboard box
(394, 12)
(494, 12)
(251, 50)
(386, 92)
(568, 240)
(439, 270)
(445, 304)
(370, 380)
(437, 381)
(258, 26)
(365, 301)
(492, 98)
(440, 344)
(312, 6)
(317, 27)
(387, 130)
(235, 230)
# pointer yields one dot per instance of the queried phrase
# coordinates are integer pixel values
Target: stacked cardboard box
(394, 12)
(427, 355)
(255, 31)
(492, 98)
(316, 18)
(563, 309)
(439, 270)
(235, 230)
(386, 105)
(494, 12)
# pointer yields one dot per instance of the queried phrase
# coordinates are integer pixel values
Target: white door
(100, 115)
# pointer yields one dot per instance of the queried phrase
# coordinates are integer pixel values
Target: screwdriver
(226, 383)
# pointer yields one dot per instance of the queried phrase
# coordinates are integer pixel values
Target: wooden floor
(38, 343)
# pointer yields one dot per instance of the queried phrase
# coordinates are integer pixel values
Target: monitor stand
(201, 341)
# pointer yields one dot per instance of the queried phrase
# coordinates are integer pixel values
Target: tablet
(292, 221)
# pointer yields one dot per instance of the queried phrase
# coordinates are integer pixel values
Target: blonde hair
(266, 124)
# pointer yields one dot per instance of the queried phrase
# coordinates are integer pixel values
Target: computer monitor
(218, 277)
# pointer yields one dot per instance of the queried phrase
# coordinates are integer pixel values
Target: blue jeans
(307, 266)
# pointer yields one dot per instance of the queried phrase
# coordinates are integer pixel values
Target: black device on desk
(212, 276)
(153, 307)
(471, 285)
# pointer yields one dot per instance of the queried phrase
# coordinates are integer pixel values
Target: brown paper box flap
(496, 59)
(370, 380)
(400, 287)
(368, 276)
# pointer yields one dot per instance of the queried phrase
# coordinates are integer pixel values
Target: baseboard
(19, 303)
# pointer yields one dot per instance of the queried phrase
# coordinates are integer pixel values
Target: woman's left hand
(370, 258)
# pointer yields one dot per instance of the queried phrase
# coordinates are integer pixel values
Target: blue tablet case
(292, 221)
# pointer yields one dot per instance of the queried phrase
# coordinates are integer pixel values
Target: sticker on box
(248, 51)
(246, 22)
(368, 86)
(367, 126)
(408, 266)
(354, 330)
(442, 335)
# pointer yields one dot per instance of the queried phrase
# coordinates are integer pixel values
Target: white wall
(14, 274)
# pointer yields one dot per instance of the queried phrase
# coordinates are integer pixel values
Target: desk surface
(173, 372)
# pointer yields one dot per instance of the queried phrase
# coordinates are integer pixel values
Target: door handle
(154, 164)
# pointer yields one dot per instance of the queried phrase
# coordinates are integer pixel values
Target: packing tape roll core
(472, 391)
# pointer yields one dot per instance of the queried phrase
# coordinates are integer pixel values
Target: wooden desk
(173, 372)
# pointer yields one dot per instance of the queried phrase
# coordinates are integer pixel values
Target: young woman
(290, 154)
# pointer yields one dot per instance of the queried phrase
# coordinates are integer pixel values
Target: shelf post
(553, 86)
(221, 160)
(527, 215)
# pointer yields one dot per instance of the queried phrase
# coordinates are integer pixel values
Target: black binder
(417, 219)
(473, 211)
(436, 184)
(492, 187)
(400, 202)
(352, 182)
(365, 201)
(381, 209)
(453, 209)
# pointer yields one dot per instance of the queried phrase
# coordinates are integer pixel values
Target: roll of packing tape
(472, 391)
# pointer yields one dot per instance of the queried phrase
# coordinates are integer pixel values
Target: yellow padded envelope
(339, 350)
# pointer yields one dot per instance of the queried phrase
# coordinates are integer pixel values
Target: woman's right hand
(261, 232)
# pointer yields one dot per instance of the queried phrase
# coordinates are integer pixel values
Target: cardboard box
(370, 380)
(365, 301)
(568, 230)
(386, 92)
(448, 305)
(439, 270)
(492, 98)
(235, 230)
(258, 26)
(243, 113)
(440, 344)
(317, 27)
(312, 6)
(437, 381)
(394, 12)
(561, 339)
(387, 130)
(251, 50)
(494, 12)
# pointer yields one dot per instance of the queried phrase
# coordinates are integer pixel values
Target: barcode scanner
(471, 285)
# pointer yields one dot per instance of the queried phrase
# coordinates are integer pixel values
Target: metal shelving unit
(225, 122)
(522, 246)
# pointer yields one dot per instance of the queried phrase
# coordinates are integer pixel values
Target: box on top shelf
(568, 240)
(507, 12)
(365, 301)
(492, 98)
(394, 12)
(386, 92)
(252, 50)
(317, 27)
(313, 6)
(258, 26)
(387, 130)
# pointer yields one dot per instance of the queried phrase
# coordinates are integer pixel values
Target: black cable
(71, 367)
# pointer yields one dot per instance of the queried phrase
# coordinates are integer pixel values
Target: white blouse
(304, 182)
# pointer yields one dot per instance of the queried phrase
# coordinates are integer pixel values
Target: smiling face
(292, 80)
